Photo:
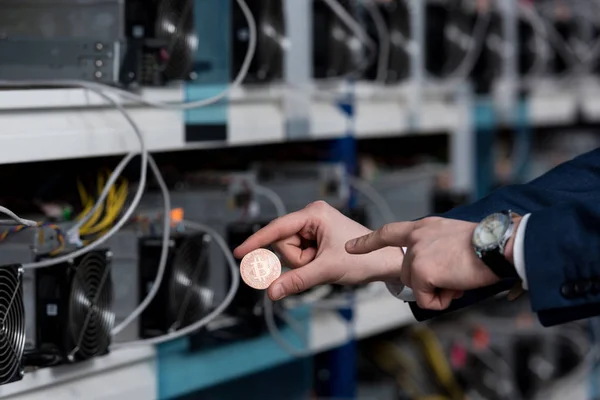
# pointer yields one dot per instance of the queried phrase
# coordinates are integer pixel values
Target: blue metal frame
(181, 371)
(523, 140)
(343, 359)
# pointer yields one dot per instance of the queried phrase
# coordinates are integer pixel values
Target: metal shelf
(40, 125)
(133, 373)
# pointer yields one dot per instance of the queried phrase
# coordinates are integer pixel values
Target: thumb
(297, 281)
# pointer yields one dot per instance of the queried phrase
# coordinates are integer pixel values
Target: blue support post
(523, 142)
(343, 359)
(485, 133)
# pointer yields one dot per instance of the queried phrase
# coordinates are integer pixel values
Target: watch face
(490, 232)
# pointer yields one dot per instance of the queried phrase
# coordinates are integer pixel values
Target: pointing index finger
(278, 229)
(395, 234)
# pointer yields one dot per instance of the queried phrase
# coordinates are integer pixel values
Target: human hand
(311, 242)
(440, 263)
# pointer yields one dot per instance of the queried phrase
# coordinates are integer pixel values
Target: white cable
(162, 263)
(308, 298)
(273, 197)
(557, 40)
(99, 89)
(350, 22)
(367, 190)
(146, 159)
(371, 292)
(252, 41)
(14, 218)
(276, 333)
(235, 281)
(541, 38)
(476, 45)
(130, 210)
(384, 39)
(269, 313)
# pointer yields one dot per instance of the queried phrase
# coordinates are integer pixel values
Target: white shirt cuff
(519, 251)
(398, 290)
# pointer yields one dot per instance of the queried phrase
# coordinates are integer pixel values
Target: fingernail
(278, 292)
(351, 243)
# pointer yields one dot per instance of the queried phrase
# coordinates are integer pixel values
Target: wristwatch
(489, 241)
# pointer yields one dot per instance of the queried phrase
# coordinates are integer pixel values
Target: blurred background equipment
(121, 271)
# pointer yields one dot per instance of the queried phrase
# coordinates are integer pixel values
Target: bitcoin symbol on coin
(260, 268)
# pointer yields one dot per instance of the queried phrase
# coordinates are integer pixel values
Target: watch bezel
(500, 244)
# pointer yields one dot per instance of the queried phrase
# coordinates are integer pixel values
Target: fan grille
(190, 294)
(271, 40)
(175, 25)
(90, 312)
(12, 323)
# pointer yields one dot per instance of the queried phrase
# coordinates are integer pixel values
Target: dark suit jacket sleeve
(562, 240)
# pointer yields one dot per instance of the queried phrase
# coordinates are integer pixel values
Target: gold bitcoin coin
(260, 268)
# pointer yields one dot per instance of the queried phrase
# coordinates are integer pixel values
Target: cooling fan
(399, 30)
(184, 295)
(12, 324)
(337, 53)
(74, 314)
(175, 26)
(268, 63)
(190, 297)
(397, 19)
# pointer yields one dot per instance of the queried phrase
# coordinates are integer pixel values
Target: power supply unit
(62, 39)
(73, 306)
(184, 295)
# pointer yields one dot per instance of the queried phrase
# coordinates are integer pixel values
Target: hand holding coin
(260, 268)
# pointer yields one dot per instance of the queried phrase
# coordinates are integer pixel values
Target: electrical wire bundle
(104, 216)
(40, 237)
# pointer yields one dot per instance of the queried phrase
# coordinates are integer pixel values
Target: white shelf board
(555, 108)
(123, 374)
(50, 124)
(381, 314)
(132, 374)
(590, 102)
(373, 315)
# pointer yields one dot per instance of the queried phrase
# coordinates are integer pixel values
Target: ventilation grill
(190, 297)
(90, 312)
(175, 25)
(12, 324)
